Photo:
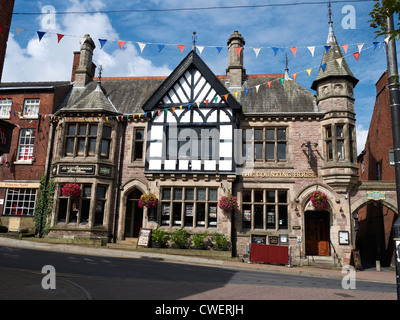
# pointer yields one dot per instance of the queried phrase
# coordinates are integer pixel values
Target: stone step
(321, 261)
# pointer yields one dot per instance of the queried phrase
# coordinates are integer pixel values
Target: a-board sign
(14, 224)
(355, 259)
(144, 237)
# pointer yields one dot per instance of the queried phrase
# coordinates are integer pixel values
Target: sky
(266, 27)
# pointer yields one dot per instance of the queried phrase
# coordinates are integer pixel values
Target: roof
(44, 85)
(332, 67)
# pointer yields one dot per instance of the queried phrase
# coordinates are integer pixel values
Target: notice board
(144, 237)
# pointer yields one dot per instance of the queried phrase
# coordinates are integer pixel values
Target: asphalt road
(107, 278)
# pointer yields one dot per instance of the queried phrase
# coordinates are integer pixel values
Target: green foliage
(159, 235)
(44, 206)
(220, 241)
(382, 10)
(180, 237)
(198, 239)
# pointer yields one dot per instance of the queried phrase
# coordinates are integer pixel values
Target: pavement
(67, 290)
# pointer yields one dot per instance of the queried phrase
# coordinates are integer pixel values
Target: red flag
(121, 44)
(356, 55)
(238, 50)
(180, 47)
(344, 46)
(269, 84)
(59, 37)
(207, 103)
(294, 49)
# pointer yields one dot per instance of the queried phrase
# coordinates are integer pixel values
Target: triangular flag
(180, 107)
(198, 104)
(323, 66)
(236, 94)
(121, 43)
(19, 30)
(327, 48)
(275, 51)
(226, 97)
(173, 110)
(360, 45)
(345, 46)
(312, 50)
(257, 87)
(339, 61)
(282, 80)
(206, 102)
(387, 40)
(238, 50)
(200, 48)
(189, 105)
(159, 112)
(269, 84)
(294, 49)
(309, 71)
(1, 29)
(375, 44)
(141, 46)
(160, 47)
(219, 49)
(256, 51)
(294, 76)
(356, 55)
(181, 47)
(246, 91)
(59, 37)
(40, 34)
(102, 43)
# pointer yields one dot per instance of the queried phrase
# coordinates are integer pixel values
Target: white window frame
(5, 108)
(26, 142)
(22, 204)
(31, 108)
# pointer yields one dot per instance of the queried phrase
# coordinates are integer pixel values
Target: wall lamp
(309, 150)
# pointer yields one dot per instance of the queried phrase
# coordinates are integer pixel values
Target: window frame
(191, 218)
(136, 142)
(27, 143)
(5, 108)
(251, 221)
(30, 103)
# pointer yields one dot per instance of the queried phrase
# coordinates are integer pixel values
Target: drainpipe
(119, 178)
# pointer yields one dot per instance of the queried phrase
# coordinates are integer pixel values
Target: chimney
(235, 72)
(85, 71)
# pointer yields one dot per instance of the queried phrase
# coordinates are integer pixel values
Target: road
(108, 278)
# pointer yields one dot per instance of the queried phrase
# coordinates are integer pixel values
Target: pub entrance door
(134, 215)
(317, 233)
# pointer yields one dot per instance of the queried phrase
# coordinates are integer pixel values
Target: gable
(192, 82)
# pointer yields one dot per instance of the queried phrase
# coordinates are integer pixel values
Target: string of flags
(160, 46)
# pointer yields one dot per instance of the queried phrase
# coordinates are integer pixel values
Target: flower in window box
(72, 190)
(148, 200)
(228, 203)
(319, 200)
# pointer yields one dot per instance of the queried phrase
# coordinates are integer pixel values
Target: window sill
(33, 117)
(136, 164)
(23, 162)
(5, 117)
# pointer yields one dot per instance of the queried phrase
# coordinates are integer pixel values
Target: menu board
(144, 237)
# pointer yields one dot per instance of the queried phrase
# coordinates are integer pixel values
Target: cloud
(49, 60)
(362, 135)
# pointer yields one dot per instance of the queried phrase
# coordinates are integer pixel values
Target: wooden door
(317, 236)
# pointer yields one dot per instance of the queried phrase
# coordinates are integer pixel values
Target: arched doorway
(133, 215)
(317, 233)
(374, 233)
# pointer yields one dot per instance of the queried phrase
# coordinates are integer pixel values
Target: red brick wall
(380, 137)
(7, 7)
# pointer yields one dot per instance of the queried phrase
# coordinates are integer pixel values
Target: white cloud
(49, 60)
(362, 135)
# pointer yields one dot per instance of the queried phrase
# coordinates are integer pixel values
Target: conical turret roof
(334, 61)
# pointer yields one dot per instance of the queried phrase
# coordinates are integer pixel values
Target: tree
(382, 10)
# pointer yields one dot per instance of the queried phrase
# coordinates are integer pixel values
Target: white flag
(360, 45)
(256, 51)
(200, 48)
(312, 49)
(141, 46)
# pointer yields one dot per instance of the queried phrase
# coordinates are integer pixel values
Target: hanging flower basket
(72, 190)
(228, 203)
(319, 200)
(148, 200)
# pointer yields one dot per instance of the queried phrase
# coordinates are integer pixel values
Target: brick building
(27, 106)
(7, 8)
(375, 219)
(193, 137)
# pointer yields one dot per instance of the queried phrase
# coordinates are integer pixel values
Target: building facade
(7, 8)
(193, 137)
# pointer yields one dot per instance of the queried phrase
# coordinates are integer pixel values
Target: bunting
(102, 43)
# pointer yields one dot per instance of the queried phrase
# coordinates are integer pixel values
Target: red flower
(228, 203)
(319, 200)
(148, 201)
(71, 190)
